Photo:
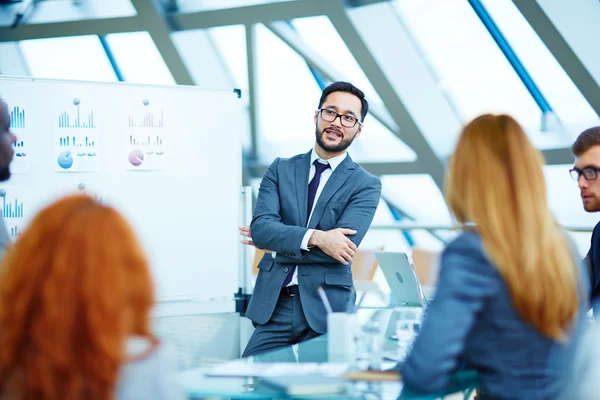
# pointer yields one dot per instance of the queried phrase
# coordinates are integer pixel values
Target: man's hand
(335, 243)
(245, 231)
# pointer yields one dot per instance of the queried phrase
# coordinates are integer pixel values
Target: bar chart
(20, 163)
(149, 119)
(12, 209)
(145, 141)
(72, 141)
(14, 232)
(17, 118)
(68, 120)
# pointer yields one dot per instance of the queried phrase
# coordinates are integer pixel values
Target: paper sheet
(246, 369)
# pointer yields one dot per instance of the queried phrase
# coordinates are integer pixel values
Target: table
(198, 385)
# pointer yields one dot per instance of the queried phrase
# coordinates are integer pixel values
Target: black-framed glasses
(589, 173)
(347, 120)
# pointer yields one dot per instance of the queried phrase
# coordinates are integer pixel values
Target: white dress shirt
(333, 163)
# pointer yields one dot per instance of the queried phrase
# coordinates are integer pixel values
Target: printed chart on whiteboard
(76, 138)
(13, 210)
(144, 137)
(88, 189)
(18, 126)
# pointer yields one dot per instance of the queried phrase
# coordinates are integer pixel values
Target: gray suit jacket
(348, 200)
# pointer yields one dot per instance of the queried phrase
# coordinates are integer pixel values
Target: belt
(290, 291)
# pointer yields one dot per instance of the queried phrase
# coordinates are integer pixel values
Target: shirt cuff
(273, 254)
(307, 235)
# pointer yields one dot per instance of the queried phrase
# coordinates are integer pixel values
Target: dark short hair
(586, 140)
(348, 88)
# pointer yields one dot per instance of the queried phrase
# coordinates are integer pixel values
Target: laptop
(401, 278)
(406, 291)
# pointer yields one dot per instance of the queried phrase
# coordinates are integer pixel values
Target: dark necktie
(312, 192)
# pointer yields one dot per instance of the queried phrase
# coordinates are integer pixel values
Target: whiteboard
(168, 158)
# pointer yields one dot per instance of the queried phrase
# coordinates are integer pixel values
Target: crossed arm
(337, 245)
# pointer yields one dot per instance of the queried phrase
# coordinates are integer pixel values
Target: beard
(336, 148)
(4, 174)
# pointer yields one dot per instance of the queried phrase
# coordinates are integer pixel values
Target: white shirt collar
(333, 162)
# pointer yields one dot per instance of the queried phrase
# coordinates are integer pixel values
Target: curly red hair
(73, 288)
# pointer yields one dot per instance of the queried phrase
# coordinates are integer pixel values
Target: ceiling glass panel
(320, 34)
(377, 143)
(138, 58)
(230, 42)
(287, 97)
(568, 103)
(78, 58)
(61, 11)
(470, 67)
(418, 196)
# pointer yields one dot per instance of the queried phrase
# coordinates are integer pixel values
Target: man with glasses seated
(585, 171)
(311, 214)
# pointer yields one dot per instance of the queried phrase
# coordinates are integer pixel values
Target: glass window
(566, 100)
(78, 57)
(417, 196)
(321, 36)
(230, 42)
(216, 58)
(138, 58)
(469, 65)
(60, 11)
(377, 143)
(287, 96)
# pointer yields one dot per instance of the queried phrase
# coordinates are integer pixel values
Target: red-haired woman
(75, 296)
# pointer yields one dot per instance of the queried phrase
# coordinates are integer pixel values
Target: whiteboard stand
(242, 297)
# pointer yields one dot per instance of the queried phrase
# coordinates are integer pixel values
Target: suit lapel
(334, 183)
(302, 171)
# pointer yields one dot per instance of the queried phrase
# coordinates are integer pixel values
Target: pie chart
(136, 157)
(65, 160)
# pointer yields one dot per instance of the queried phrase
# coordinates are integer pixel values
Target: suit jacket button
(286, 269)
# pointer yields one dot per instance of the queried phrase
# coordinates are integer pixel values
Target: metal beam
(561, 50)
(252, 95)
(295, 41)
(258, 169)
(155, 24)
(409, 131)
(261, 13)
(73, 28)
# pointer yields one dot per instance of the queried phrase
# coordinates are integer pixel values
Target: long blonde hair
(496, 181)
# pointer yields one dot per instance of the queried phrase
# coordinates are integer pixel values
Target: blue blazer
(593, 263)
(348, 200)
(473, 324)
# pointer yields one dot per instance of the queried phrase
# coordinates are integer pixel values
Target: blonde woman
(510, 293)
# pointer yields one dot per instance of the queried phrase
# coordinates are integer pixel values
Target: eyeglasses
(347, 120)
(589, 173)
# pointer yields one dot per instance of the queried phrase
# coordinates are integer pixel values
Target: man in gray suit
(6, 155)
(312, 212)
